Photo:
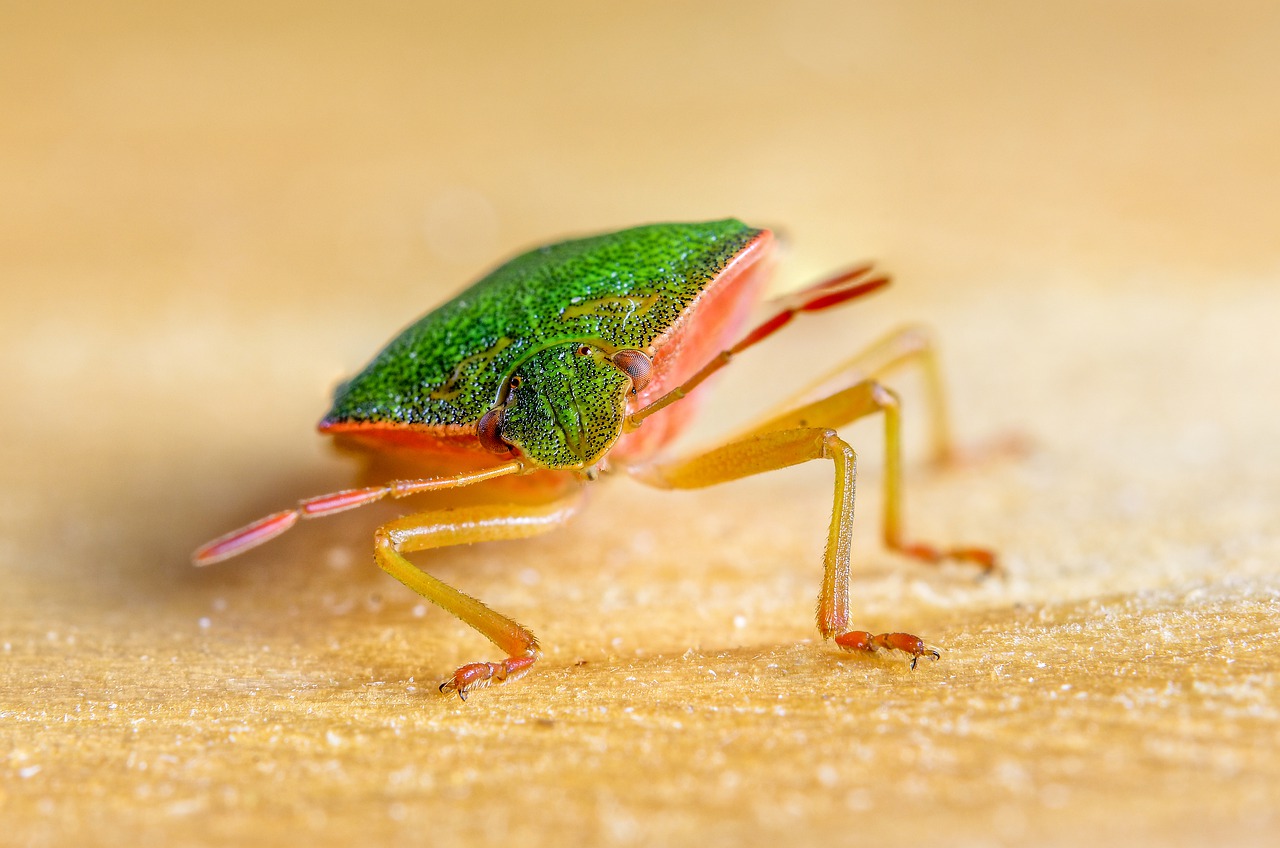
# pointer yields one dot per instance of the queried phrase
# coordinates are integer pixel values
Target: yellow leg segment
(912, 345)
(844, 407)
(442, 528)
(806, 433)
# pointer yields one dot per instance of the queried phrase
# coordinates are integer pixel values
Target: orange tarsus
(984, 558)
(861, 640)
(478, 675)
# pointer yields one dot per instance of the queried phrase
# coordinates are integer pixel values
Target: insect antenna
(267, 528)
(846, 285)
(824, 294)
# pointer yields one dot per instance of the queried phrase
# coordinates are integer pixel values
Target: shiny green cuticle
(619, 290)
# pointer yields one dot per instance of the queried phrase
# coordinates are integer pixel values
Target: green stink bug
(547, 368)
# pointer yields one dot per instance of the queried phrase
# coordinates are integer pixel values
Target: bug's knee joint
(917, 336)
(385, 540)
(834, 446)
(884, 397)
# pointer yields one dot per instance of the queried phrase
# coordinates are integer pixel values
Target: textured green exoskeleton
(530, 320)
(568, 408)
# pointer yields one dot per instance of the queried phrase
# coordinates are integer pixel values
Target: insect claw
(931, 653)
(868, 643)
(451, 686)
(483, 674)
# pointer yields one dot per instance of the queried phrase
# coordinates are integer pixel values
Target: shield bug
(584, 357)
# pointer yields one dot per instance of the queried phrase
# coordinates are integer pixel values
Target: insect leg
(912, 345)
(781, 449)
(265, 529)
(847, 405)
(840, 396)
(442, 528)
(808, 433)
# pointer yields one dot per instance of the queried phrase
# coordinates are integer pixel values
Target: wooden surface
(209, 217)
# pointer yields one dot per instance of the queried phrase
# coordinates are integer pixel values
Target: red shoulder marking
(377, 435)
(710, 324)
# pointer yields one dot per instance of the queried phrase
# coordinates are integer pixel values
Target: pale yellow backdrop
(207, 217)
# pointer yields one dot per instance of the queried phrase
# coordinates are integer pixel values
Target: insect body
(582, 357)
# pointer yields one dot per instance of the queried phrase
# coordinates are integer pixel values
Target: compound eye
(635, 365)
(489, 432)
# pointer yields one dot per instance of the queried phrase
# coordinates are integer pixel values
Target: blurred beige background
(207, 217)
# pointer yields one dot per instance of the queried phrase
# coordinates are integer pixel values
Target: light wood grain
(210, 217)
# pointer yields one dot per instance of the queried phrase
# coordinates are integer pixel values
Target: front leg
(776, 449)
(441, 528)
